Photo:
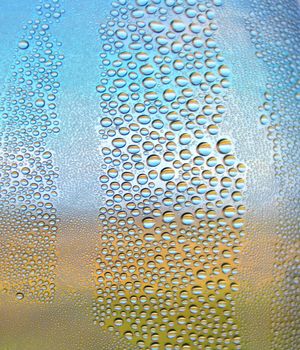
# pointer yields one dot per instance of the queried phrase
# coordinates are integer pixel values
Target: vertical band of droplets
(277, 43)
(170, 225)
(28, 221)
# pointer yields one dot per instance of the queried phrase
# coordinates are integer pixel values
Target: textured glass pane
(149, 174)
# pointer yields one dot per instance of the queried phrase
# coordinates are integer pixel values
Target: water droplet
(23, 44)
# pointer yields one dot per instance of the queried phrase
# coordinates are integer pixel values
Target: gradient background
(68, 322)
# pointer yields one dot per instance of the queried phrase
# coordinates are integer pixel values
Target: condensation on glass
(149, 175)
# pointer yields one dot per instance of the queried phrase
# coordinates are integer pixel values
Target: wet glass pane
(149, 174)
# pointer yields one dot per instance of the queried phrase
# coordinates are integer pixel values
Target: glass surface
(149, 174)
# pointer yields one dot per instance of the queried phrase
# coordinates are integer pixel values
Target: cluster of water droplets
(277, 43)
(172, 185)
(28, 222)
